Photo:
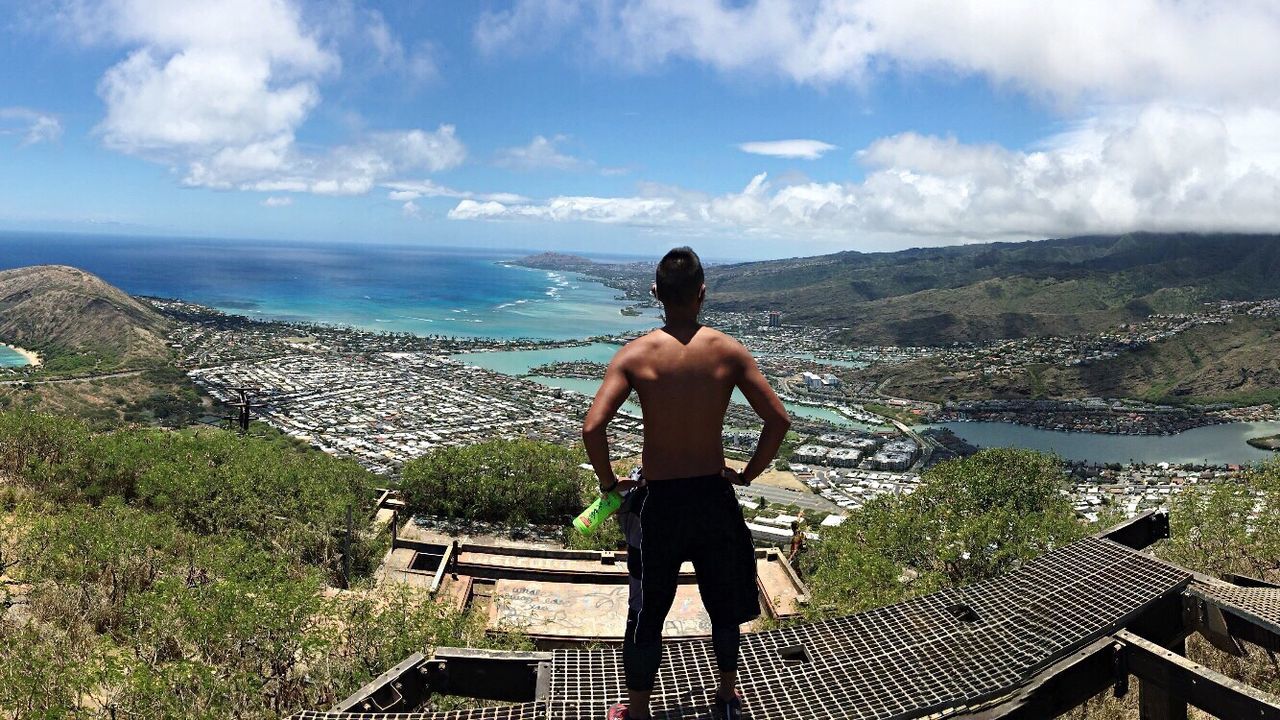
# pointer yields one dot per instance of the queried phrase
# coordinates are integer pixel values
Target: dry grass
(101, 400)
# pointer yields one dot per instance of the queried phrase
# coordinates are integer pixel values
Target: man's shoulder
(715, 335)
(721, 341)
(644, 341)
(636, 346)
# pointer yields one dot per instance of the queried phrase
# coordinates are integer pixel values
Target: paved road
(926, 445)
(57, 381)
(804, 500)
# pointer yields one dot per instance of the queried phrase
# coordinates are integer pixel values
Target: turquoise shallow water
(518, 362)
(9, 358)
(1215, 444)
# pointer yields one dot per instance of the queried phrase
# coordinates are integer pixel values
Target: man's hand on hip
(734, 476)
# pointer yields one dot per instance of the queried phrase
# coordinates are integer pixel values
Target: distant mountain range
(937, 296)
(75, 320)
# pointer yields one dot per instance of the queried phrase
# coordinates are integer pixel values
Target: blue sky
(748, 129)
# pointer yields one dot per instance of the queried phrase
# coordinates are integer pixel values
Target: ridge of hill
(990, 291)
(75, 320)
(1236, 364)
(935, 296)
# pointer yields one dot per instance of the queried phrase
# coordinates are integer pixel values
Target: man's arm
(612, 393)
(765, 402)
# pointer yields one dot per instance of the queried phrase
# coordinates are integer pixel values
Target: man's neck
(681, 324)
(684, 316)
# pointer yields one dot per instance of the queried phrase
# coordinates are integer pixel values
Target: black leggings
(696, 520)
(642, 657)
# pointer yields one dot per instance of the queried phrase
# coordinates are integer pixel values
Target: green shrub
(132, 610)
(511, 481)
(969, 520)
(1229, 527)
(28, 440)
(187, 575)
(209, 481)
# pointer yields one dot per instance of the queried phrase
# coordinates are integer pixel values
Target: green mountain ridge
(1003, 290)
(974, 293)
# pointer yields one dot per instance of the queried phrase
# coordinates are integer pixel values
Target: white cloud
(198, 99)
(411, 210)
(1157, 168)
(526, 26)
(207, 74)
(417, 65)
(796, 149)
(278, 165)
(434, 151)
(634, 211)
(414, 189)
(541, 153)
(1133, 51)
(1183, 131)
(277, 201)
(219, 89)
(34, 127)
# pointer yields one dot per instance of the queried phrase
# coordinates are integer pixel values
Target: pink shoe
(728, 709)
(617, 712)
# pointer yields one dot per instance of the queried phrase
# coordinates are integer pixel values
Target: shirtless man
(686, 509)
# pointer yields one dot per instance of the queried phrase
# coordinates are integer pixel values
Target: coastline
(33, 359)
(1270, 442)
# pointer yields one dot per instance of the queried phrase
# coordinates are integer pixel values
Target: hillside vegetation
(150, 573)
(159, 396)
(1237, 363)
(508, 481)
(76, 321)
(973, 293)
(933, 296)
(970, 520)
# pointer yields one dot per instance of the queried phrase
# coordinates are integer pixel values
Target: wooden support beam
(1180, 680)
(445, 559)
(1249, 582)
(1159, 699)
(1168, 683)
(1241, 624)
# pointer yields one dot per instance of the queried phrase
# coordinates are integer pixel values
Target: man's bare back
(684, 382)
(685, 375)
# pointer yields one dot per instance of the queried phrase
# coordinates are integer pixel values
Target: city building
(814, 454)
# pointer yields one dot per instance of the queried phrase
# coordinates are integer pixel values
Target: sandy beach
(32, 358)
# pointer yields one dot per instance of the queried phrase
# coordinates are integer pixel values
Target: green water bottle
(598, 512)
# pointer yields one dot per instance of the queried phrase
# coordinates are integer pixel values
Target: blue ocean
(401, 288)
